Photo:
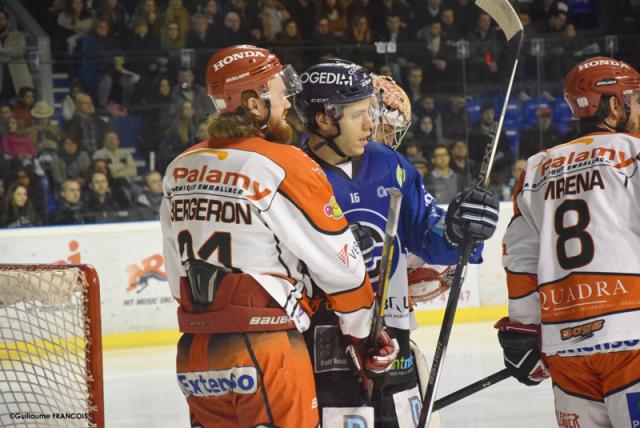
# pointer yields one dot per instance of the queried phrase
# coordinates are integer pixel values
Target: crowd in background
(146, 59)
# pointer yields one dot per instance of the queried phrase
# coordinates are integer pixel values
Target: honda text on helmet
(590, 80)
(234, 70)
(343, 92)
(395, 112)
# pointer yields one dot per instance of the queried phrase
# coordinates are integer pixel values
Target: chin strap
(330, 142)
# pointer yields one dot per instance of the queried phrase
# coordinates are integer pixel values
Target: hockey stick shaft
(471, 389)
(505, 15)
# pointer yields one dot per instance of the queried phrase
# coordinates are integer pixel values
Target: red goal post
(50, 346)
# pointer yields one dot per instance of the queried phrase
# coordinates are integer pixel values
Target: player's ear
(254, 104)
(615, 109)
(323, 121)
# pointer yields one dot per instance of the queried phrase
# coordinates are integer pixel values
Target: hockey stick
(471, 389)
(504, 14)
(393, 216)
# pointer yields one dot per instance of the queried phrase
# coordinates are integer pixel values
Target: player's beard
(279, 131)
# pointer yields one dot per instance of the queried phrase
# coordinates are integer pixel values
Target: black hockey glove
(521, 355)
(364, 239)
(472, 213)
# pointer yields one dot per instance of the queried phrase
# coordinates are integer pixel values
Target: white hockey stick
(504, 14)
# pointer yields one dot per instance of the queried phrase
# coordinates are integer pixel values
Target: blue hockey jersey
(364, 198)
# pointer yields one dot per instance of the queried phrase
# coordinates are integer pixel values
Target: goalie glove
(521, 351)
(375, 360)
(472, 213)
(426, 283)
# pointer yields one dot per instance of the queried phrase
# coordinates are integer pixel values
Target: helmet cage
(392, 125)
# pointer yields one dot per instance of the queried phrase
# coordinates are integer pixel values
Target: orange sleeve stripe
(516, 191)
(352, 300)
(521, 284)
(304, 185)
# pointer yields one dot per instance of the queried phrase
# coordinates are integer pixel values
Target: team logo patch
(400, 175)
(332, 209)
(214, 383)
(568, 420)
(633, 401)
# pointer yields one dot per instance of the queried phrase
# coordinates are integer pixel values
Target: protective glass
(291, 81)
(336, 110)
(631, 96)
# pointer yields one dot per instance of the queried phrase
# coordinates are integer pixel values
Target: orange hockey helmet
(236, 69)
(589, 80)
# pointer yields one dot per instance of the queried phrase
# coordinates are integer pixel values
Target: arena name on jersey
(240, 380)
(215, 176)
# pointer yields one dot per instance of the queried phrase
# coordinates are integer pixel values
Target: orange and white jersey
(268, 210)
(572, 249)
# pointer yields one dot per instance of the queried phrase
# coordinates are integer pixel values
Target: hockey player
(338, 105)
(241, 219)
(571, 256)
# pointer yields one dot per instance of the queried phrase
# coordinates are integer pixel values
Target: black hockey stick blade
(471, 389)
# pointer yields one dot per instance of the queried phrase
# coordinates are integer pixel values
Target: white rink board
(134, 293)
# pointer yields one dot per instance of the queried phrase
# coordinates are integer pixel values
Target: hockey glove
(374, 360)
(364, 239)
(472, 213)
(521, 355)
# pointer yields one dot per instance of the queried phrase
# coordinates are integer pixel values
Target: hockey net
(50, 346)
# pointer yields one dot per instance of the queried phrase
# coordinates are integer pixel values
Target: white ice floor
(140, 386)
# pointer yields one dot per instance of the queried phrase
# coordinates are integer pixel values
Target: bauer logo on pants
(241, 380)
(633, 401)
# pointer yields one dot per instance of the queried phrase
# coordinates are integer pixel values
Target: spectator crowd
(67, 164)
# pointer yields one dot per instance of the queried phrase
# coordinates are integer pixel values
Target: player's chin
(280, 132)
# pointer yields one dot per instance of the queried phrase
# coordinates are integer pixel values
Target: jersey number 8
(574, 231)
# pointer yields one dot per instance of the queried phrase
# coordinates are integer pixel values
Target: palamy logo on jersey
(332, 209)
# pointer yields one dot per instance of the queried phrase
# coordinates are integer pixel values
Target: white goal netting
(46, 339)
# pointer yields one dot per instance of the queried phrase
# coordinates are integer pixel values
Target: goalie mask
(395, 112)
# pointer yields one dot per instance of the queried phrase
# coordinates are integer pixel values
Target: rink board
(137, 307)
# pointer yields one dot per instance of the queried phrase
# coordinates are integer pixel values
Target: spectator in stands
(304, 13)
(156, 116)
(272, 14)
(147, 10)
(181, 135)
(435, 55)
(336, 14)
(382, 9)
(14, 73)
(427, 106)
(121, 163)
(99, 204)
(2, 191)
(543, 135)
(72, 163)
(542, 10)
(421, 165)
(171, 43)
(37, 193)
(395, 33)
(427, 134)
(74, 22)
(358, 8)
(481, 129)
(466, 15)
(23, 105)
(68, 209)
(324, 44)
(456, 120)
(120, 189)
(460, 162)
(443, 182)
(412, 148)
(147, 205)
(176, 12)
(233, 33)
(247, 11)
(449, 27)
(415, 86)
(202, 41)
(424, 13)
(485, 52)
(359, 43)
(43, 133)
(143, 46)
(69, 102)
(85, 126)
(102, 66)
(188, 90)
(16, 146)
(210, 13)
(115, 13)
(290, 45)
(17, 210)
